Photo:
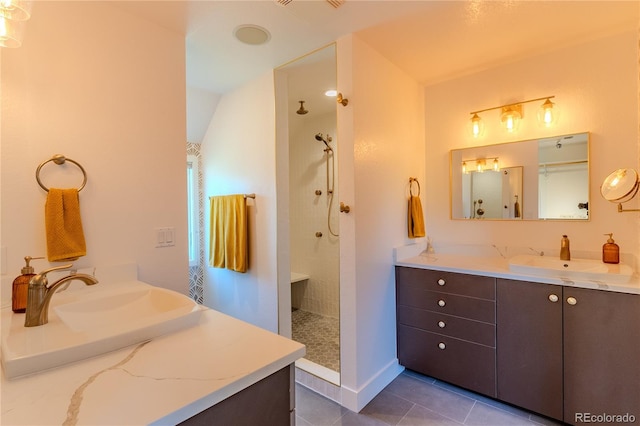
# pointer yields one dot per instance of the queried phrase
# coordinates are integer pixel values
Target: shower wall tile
(317, 257)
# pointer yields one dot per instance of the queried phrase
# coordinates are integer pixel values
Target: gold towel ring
(60, 159)
(411, 180)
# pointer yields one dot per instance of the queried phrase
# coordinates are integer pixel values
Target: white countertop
(164, 381)
(494, 266)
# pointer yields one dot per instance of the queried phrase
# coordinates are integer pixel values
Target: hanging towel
(65, 237)
(228, 246)
(415, 217)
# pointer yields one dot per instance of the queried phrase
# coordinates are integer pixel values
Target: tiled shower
(314, 249)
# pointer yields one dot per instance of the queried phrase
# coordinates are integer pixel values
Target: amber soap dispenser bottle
(610, 251)
(21, 286)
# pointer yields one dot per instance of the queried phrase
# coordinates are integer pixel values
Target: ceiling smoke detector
(252, 34)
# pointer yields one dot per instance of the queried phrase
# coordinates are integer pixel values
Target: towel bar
(60, 159)
(411, 180)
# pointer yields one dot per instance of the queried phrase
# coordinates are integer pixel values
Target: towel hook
(60, 159)
(411, 180)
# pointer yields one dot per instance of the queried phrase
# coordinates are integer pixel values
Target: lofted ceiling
(430, 40)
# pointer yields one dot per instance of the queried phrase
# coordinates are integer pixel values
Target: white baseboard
(356, 400)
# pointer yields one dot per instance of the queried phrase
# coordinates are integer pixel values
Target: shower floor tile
(321, 336)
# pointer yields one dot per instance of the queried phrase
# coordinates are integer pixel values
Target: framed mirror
(538, 179)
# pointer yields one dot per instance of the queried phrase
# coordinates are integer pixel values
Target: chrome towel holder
(60, 159)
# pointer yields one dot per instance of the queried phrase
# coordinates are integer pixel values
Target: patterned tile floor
(320, 334)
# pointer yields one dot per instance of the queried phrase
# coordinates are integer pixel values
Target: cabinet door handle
(553, 298)
(441, 303)
(441, 324)
(571, 300)
(441, 281)
(441, 345)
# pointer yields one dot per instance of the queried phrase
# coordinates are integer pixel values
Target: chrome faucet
(40, 294)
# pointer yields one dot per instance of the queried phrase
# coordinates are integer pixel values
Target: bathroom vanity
(221, 369)
(568, 350)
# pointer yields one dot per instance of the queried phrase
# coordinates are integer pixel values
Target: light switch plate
(165, 237)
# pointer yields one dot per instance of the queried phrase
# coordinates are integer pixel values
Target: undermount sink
(574, 269)
(85, 322)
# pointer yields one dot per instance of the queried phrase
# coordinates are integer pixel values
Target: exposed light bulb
(496, 165)
(16, 10)
(10, 32)
(464, 168)
(548, 113)
(477, 126)
(511, 117)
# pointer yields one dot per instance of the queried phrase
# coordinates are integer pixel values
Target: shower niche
(307, 163)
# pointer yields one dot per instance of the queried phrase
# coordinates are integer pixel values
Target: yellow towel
(65, 237)
(228, 246)
(415, 218)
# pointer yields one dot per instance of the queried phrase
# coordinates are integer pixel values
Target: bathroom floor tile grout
(481, 411)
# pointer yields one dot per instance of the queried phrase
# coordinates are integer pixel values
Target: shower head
(301, 111)
(320, 138)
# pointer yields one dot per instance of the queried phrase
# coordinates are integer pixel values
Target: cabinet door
(529, 346)
(602, 355)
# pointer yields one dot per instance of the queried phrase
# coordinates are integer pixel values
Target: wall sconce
(480, 165)
(621, 186)
(511, 114)
(13, 13)
(341, 100)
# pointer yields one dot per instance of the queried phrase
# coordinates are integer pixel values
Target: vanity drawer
(460, 362)
(447, 282)
(446, 303)
(448, 325)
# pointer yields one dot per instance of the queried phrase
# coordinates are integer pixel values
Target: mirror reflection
(535, 179)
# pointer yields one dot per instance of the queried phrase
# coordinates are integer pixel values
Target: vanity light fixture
(477, 126)
(621, 186)
(548, 113)
(13, 13)
(480, 165)
(511, 114)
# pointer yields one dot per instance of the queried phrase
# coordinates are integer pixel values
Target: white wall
(596, 86)
(382, 145)
(238, 156)
(113, 100)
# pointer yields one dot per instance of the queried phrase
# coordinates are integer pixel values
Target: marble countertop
(484, 263)
(163, 381)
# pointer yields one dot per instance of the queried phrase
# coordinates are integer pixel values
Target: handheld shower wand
(320, 138)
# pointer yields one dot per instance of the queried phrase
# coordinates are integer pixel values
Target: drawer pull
(441, 345)
(553, 298)
(441, 303)
(441, 324)
(441, 281)
(571, 300)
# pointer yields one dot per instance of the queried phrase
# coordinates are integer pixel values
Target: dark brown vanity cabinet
(568, 353)
(529, 354)
(601, 356)
(446, 326)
